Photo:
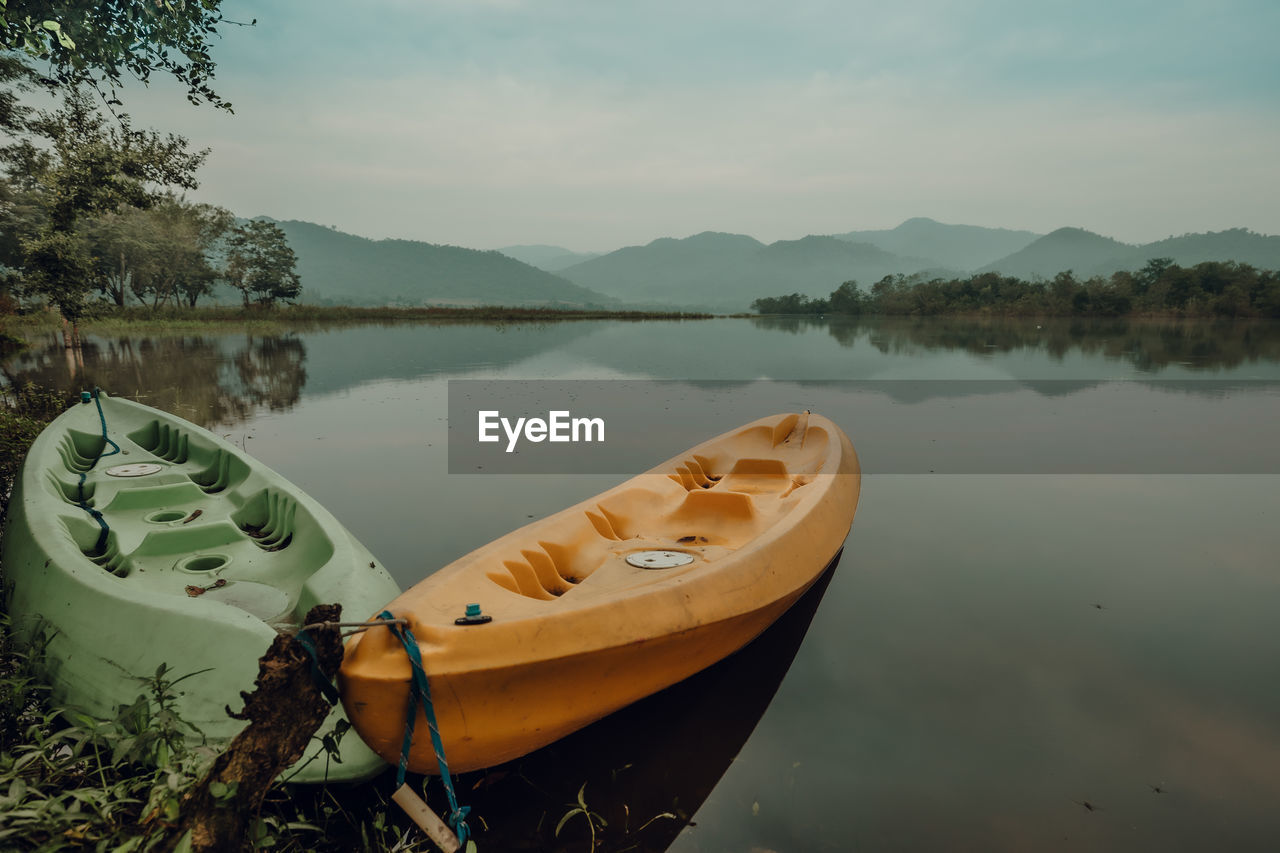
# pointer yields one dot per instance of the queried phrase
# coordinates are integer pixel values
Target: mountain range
(549, 258)
(344, 269)
(722, 272)
(955, 247)
(725, 272)
(728, 271)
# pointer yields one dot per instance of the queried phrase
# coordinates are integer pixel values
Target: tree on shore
(120, 243)
(89, 166)
(69, 47)
(1162, 287)
(261, 265)
(200, 227)
(792, 303)
(847, 299)
(158, 254)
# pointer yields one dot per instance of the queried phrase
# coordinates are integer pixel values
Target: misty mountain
(717, 271)
(1236, 244)
(1088, 254)
(549, 258)
(728, 271)
(1083, 252)
(953, 247)
(342, 268)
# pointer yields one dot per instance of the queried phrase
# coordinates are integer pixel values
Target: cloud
(592, 126)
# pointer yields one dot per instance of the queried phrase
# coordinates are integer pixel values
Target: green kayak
(175, 549)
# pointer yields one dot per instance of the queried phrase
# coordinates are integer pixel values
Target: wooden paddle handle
(421, 814)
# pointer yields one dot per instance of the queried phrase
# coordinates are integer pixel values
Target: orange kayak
(610, 600)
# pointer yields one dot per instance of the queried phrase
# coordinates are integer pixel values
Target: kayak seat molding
(164, 510)
(708, 507)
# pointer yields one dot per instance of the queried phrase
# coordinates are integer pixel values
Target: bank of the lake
(109, 320)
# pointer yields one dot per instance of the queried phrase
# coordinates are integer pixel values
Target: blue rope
(420, 690)
(101, 544)
(322, 682)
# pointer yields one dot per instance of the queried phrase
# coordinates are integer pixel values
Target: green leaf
(184, 843)
(565, 819)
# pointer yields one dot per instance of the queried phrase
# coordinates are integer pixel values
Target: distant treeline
(1212, 288)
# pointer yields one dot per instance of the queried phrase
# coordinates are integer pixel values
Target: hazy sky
(594, 124)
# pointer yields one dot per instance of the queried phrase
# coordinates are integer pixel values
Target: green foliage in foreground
(24, 411)
(107, 43)
(72, 782)
(1209, 289)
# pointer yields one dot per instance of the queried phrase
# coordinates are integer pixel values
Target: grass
(24, 411)
(69, 781)
(106, 319)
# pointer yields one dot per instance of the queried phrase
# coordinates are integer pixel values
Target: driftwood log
(284, 711)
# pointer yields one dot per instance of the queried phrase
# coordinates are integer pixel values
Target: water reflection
(224, 379)
(270, 372)
(1148, 345)
(660, 756)
(207, 380)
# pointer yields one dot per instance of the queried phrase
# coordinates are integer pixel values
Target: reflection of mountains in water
(1147, 345)
(662, 755)
(224, 378)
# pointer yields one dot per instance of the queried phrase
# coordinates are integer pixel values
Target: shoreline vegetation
(120, 319)
(1162, 288)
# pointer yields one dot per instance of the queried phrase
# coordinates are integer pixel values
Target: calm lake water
(1053, 625)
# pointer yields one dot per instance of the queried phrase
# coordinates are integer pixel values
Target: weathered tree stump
(284, 711)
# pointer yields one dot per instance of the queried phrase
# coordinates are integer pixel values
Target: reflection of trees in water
(271, 371)
(792, 325)
(1149, 345)
(207, 380)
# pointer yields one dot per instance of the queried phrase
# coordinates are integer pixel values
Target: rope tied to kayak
(420, 691)
(101, 544)
(308, 643)
(323, 684)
